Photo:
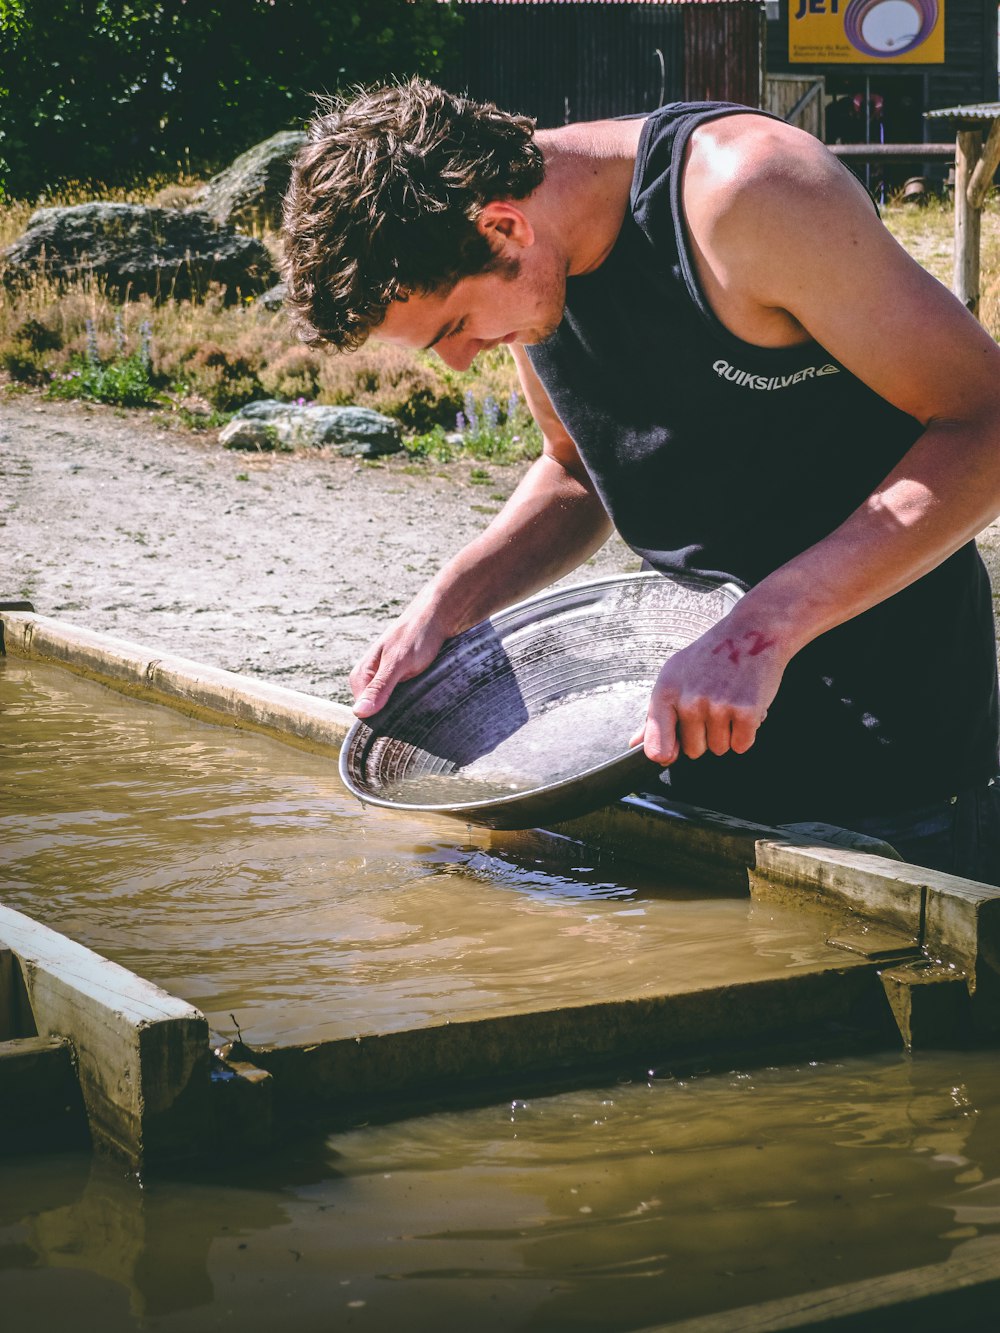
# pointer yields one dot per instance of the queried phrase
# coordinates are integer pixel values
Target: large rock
(352, 431)
(274, 298)
(249, 192)
(139, 250)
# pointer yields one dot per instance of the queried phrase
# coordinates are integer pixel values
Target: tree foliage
(112, 90)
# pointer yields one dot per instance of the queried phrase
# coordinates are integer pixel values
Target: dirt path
(284, 567)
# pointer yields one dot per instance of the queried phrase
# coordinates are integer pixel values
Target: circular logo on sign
(887, 28)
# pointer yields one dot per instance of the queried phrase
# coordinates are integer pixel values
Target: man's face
(503, 306)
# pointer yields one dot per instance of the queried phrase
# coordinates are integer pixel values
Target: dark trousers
(960, 835)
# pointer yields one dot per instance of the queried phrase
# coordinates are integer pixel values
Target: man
(729, 356)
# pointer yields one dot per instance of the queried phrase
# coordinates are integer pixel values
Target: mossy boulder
(249, 192)
(351, 431)
(137, 250)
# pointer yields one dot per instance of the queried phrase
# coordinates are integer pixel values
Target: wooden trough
(909, 957)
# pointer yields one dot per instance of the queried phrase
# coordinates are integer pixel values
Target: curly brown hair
(384, 198)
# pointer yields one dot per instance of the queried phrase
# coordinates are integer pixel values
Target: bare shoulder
(788, 244)
(774, 218)
(766, 205)
(752, 157)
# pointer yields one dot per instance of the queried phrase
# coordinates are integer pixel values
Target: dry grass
(214, 357)
(927, 232)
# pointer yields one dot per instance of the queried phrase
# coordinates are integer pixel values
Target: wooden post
(981, 180)
(968, 148)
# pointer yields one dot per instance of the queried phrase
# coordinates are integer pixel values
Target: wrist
(768, 618)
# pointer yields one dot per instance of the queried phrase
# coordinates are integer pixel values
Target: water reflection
(609, 1209)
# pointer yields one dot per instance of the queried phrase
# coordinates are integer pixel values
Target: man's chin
(535, 336)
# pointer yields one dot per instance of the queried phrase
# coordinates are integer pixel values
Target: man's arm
(787, 244)
(552, 522)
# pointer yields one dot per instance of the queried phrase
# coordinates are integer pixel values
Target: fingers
(744, 732)
(660, 734)
(374, 680)
(399, 655)
(365, 686)
(373, 696)
(694, 727)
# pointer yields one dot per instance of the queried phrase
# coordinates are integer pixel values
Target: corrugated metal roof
(757, 3)
(975, 111)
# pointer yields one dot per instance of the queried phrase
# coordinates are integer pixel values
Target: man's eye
(457, 329)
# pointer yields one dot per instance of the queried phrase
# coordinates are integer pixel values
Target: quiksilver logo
(746, 379)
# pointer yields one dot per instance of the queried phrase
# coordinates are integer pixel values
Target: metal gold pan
(526, 718)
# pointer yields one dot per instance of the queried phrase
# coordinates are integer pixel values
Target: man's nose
(459, 358)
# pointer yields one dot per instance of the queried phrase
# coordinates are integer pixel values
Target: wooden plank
(8, 1022)
(393, 1073)
(981, 180)
(678, 838)
(220, 696)
(962, 925)
(962, 1290)
(965, 280)
(40, 1102)
(891, 892)
(143, 1055)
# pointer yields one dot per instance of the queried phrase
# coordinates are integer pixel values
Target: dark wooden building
(571, 60)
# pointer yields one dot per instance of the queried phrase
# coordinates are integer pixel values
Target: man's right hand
(403, 651)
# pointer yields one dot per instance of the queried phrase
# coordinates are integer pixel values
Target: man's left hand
(713, 695)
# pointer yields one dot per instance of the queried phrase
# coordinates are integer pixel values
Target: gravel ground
(284, 567)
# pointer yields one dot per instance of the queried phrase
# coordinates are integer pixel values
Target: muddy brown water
(240, 875)
(236, 872)
(614, 1209)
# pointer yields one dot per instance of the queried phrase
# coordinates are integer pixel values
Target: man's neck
(583, 200)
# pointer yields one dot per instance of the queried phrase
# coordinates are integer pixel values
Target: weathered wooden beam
(894, 152)
(8, 1022)
(965, 282)
(395, 1072)
(960, 1292)
(142, 1055)
(40, 1102)
(985, 169)
(841, 879)
(200, 691)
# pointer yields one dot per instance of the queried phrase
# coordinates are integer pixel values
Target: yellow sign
(866, 32)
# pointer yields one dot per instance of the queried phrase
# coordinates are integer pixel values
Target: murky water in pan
(237, 872)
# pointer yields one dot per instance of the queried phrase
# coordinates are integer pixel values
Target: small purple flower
(93, 354)
(470, 412)
(460, 423)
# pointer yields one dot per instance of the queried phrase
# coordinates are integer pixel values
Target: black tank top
(715, 456)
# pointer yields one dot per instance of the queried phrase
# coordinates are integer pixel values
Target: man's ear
(501, 221)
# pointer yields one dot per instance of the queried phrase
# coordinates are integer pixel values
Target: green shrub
(503, 434)
(294, 374)
(225, 377)
(124, 381)
(23, 363)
